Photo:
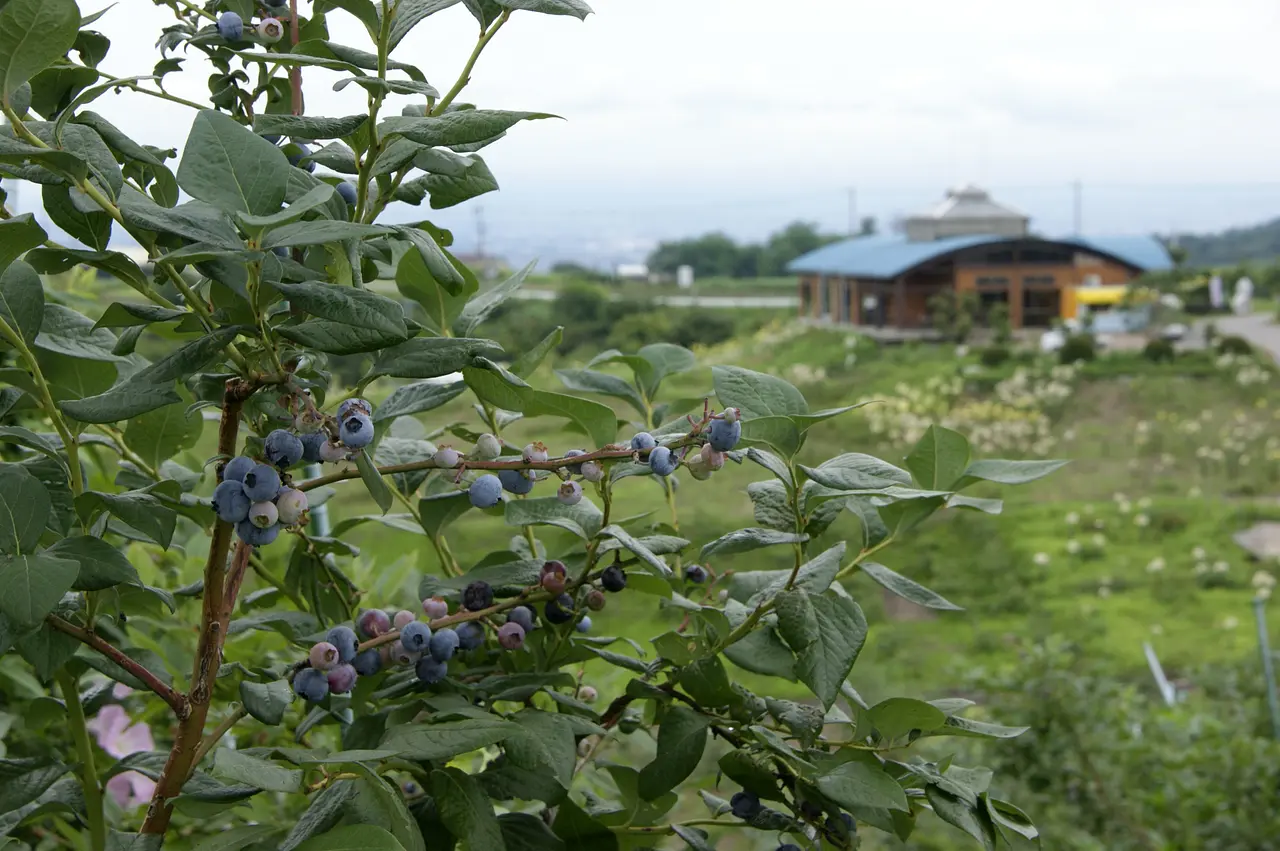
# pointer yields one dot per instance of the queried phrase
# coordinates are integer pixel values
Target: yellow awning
(1100, 295)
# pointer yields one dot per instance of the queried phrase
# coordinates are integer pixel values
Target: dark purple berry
(373, 622)
(476, 596)
(559, 610)
(595, 600)
(613, 579)
(341, 679)
(511, 635)
(696, 574)
(745, 805)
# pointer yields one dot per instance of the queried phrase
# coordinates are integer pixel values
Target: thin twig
(171, 696)
(218, 732)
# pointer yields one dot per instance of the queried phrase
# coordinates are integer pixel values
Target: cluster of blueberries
(231, 26)
(746, 806)
(723, 434)
(253, 496)
(333, 665)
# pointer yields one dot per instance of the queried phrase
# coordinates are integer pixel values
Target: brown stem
(176, 700)
(295, 73)
(212, 634)
(239, 565)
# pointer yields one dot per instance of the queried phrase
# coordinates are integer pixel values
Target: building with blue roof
(968, 243)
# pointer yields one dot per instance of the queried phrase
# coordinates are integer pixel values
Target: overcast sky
(684, 116)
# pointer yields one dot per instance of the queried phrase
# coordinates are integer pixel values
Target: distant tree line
(719, 255)
(1236, 245)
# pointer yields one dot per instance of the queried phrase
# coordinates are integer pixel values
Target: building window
(992, 282)
(1046, 255)
(988, 300)
(1040, 307)
(1037, 281)
(999, 256)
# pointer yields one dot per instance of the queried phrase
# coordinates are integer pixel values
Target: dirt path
(1257, 328)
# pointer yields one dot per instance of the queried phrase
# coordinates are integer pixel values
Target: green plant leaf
(1006, 815)
(971, 819)
(266, 702)
(592, 381)
(431, 357)
(319, 233)
(464, 127)
(862, 783)
(439, 510)
(641, 551)
(907, 588)
(25, 506)
(898, 716)
(814, 576)
(352, 837)
(451, 179)
(580, 831)
(34, 34)
(478, 309)
(17, 235)
(394, 451)
(158, 435)
(465, 810)
(576, 8)
(804, 422)
(682, 736)
(77, 215)
(986, 506)
(357, 307)
(582, 519)
(33, 585)
(66, 332)
(142, 511)
(598, 421)
(379, 803)
(756, 394)
(966, 727)
(418, 397)
(101, 565)
(338, 338)
(125, 315)
(324, 811)
(1007, 472)
(24, 780)
(231, 167)
(445, 740)
(52, 261)
(939, 458)
(236, 838)
(826, 632)
(526, 832)
(252, 771)
(315, 197)
(307, 127)
(773, 464)
(378, 488)
(745, 540)
(856, 471)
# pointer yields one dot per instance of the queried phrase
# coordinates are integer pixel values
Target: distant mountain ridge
(1236, 245)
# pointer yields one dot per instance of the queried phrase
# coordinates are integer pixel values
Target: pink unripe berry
(595, 599)
(435, 607)
(373, 622)
(587, 694)
(290, 505)
(323, 656)
(404, 618)
(535, 453)
(341, 679)
(446, 457)
(332, 452)
(511, 635)
(553, 583)
(712, 459)
(400, 656)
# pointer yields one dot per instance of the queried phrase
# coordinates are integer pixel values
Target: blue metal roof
(890, 256)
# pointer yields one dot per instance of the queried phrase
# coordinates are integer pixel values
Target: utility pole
(1077, 192)
(480, 232)
(853, 212)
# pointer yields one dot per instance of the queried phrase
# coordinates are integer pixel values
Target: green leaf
(431, 357)
(986, 506)
(780, 433)
(592, 381)
(25, 506)
(939, 458)
(576, 8)
(229, 166)
(1006, 815)
(445, 740)
(452, 179)
(463, 127)
(959, 813)
(439, 510)
(394, 451)
(814, 576)
(34, 34)
(580, 831)
(773, 464)
(526, 832)
(378, 488)
(236, 838)
(324, 811)
(682, 737)
(158, 435)
(69, 333)
(194, 220)
(46, 649)
(860, 783)
(337, 338)
(1007, 472)
(51, 261)
(898, 716)
(356, 307)
(252, 771)
(101, 565)
(856, 471)
(379, 803)
(125, 315)
(438, 263)
(478, 309)
(266, 702)
(418, 397)
(745, 540)
(756, 394)
(907, 588)
(33, 585)
(24, 780)
(318, 233)
(826, 632)
(315, 197)
(598, 421)
(968, 728)
(142, 511)
(307, 127)
(79, 216)
(17, 235)
(582, 519)
(546, 746)
(351, 837)
(641, 551)
(804, 422)
(707, 682)
(465, 810)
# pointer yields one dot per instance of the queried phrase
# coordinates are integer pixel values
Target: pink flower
(119, 738)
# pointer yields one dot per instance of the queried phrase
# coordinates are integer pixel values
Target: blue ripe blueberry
(264, 514)
(511, 635)
(367, 662)
(696, 574)
(270, 30)
(311, 444)
(514, 481)
(584, 624)
(486, 491)
(522, 615)
(230, 503)
(559, 610)
(443, 643)
(476, 596)
(724, 435)
(311, 684)
(261, 483)
(343, 638)
(745, 805)
(347, 192)
(237, 468)
(643, 441)
(354, 406)
(290, 504)
(435, 607)
(470, 635)
(304, 150)
(274, 138)
(430, 671)
(842, 826)
(569, 493)
(613, 578)
(230, 26)
(282, 448)
(357, 431)
(575, 469)
(415, 637)
(255, 537)
(788, 846)
(341, 679)
(810, 810)
(373, 622)
(662, 462)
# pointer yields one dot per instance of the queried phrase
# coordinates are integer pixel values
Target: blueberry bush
(291, 711)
